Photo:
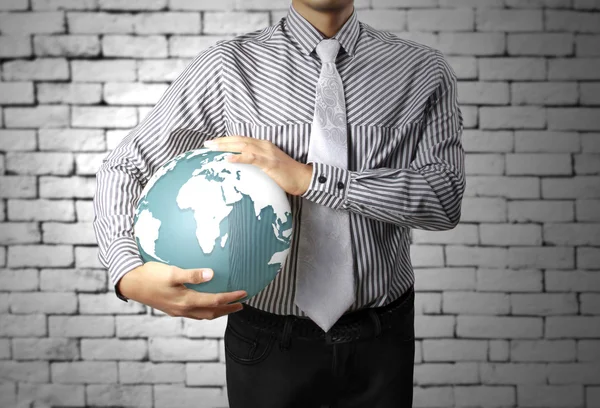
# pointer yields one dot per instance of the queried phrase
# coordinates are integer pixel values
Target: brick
(482, 395)
(76, 280)
(587, 163)
(518, 374)
(41, 116)
(32, 22)
(201, 5)
(427, 326)
(133, 94)
(588, 258)
(190, 46)
(483, 209)
(102, 71)
(66, 45)
(114, 349)
(531, 117)
(510, 234)
(14, 5)
(388, 20)
(44, 302)
(16, 280)
(471, 303)
(173, 349)
(71, 233)
(446, 279)
(161, 70)
(590, 303)
(461, 234)
(433, 396)
(571, 281)
(64, 4)
(572, 21)
(84, 210)
(40, 163)
(544, 141)
(84, 372)
(16, 93)
(589, 94)
(546, 44)
(573, 118)
(67, 187)
(103, 303)
(586, 45)
(440, 20)
(53, 394)
(131, 372)
(25, 371)
(439, 374)
(72, 140)
(499, 350)
(234, 22)
(548, 93)
(472, 43)
(548, 396)
(592, 395)
(572, 326)
(485, 164)
(19, 233)
(40, 256)
(588, 350)
(17, 140)
(147, 326)
(38, 69)
(427, 255)
(180, 396)
(151, 46)
(475, 256)
(87, 257)
(587, 210)
(516, 69)
(40, 210)
(167, 23)
(205, 374)
(574, 373)
(578, 187)
(72, 93)
(503, 186)
(103, 116)
(541, 257)
(465, 67)
(540, 211)
(17, 186)
(100, 23)
(81, 326)
(454, 350)
(14, 325)
(543, 304)
(499, 327)
(15, 46)
(571, 69)
(572, 234)
(428, 303)
(141, 5)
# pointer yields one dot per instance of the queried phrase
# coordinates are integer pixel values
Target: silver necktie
(325, 277)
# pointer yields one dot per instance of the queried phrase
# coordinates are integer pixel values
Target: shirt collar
(308, 36)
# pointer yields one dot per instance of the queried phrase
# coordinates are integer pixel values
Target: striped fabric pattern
(405, 164)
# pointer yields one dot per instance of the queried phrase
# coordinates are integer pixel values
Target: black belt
(362, 323)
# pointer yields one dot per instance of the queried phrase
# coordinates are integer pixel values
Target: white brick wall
(508, 303)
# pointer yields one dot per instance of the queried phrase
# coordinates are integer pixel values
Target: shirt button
(340, 185)
(322, 179)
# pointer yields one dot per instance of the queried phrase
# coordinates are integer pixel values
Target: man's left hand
(292, 176)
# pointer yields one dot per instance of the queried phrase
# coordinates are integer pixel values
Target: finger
(203, 299)
(213, 313)
(180, 276)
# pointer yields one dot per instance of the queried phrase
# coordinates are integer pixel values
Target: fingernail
(207, 274)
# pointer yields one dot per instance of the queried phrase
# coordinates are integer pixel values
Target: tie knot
(327, 49)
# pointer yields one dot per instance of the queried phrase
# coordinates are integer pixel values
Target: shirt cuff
(328, 185)
(123, 256)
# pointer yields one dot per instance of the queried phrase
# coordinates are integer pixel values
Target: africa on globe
(199, 210)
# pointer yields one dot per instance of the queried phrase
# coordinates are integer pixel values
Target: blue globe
(200, 211)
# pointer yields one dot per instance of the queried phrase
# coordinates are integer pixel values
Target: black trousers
(274, 369)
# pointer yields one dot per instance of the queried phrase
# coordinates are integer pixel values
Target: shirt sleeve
(428, 194)
(188, 113)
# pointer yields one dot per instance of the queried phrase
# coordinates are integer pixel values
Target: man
(362, 129)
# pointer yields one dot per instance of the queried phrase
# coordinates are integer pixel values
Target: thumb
(193, 275)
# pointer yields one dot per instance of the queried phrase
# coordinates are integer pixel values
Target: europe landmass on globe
(200, 211)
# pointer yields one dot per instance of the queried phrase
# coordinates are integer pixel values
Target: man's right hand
(162, 287)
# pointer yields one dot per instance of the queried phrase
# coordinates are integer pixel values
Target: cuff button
(340, 185)
(322, 179)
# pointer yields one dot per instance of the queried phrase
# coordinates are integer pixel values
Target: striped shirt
(405, 164)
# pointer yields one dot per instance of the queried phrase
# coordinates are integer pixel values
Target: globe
(200, 211)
